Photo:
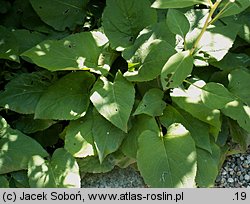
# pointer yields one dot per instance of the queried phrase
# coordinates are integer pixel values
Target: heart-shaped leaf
(61, 171)
(114, 101)
(169, 161)
(15, 146)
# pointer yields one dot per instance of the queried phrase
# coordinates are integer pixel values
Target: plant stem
(190, 83)
(207, 23)
(220, 13)
(210, 3)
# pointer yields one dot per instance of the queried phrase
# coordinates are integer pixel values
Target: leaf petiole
(221, 12)
(207, 23)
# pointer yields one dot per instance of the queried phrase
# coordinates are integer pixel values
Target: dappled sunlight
(104, 104)
(233, 104)
(179, 130)
(238, 106)
(247, 110)
(72, 178)
(82, 148)
(60, 171)
(2, 42)
(191, 156)
(81, 62)
(100, 38)
(4, 147)
(191, 101)
(73, 113)
(181, 159)
(40, 53)
(42, 49)
(16, 149)
(77, 114)
(13, 138)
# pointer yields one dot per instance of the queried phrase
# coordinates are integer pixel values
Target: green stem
(210, 3)
(213, 8)
(159, 125)
(220, 13)
(192, 84)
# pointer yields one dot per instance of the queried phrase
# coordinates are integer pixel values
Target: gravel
(117, 178)
(235, 173)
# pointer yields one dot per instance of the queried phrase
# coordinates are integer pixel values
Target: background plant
(89, 85)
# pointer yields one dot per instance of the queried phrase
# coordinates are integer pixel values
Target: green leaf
(4, 6)
(157, 31)
(92, 164)
(239, 135)
(215, 95)
(16, 149)
(178, 22)
(240, 112)
(123, 20)
(67, 98)
(114, 101)
(239, 108)
(233, 61)
(61, 171)
(163, 4)
(77, 51)
(27, 124)
(198, 129)
(151, 49)
(244, 32)
(79, 137)
(29, 18)
(140, 124)
(176, 69)
(9, 48)
(21, 179)
(24, 91)
(4, 183)
(22, 36)
(190, 101)
(150, 58)
(162, 164)
(234, 7)
(107, 137)
(239, 84)
(207, 164)
(196, 17)
(151, 103)
(50, 136)
(61, 14)
(215, 42)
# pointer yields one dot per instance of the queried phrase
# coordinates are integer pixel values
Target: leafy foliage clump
(89, 85)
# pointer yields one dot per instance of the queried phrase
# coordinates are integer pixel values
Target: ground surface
(235, 173)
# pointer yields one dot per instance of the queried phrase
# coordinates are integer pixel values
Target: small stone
(237, 185)
(218, 179)
(238, 173)
(224, 173)
(230, 180)
(245, 165)
(247, 177)
(242, 158)
(248, 157)
(238, 161)
(223, 180)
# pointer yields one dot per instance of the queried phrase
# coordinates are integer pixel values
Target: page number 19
(240, 196)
